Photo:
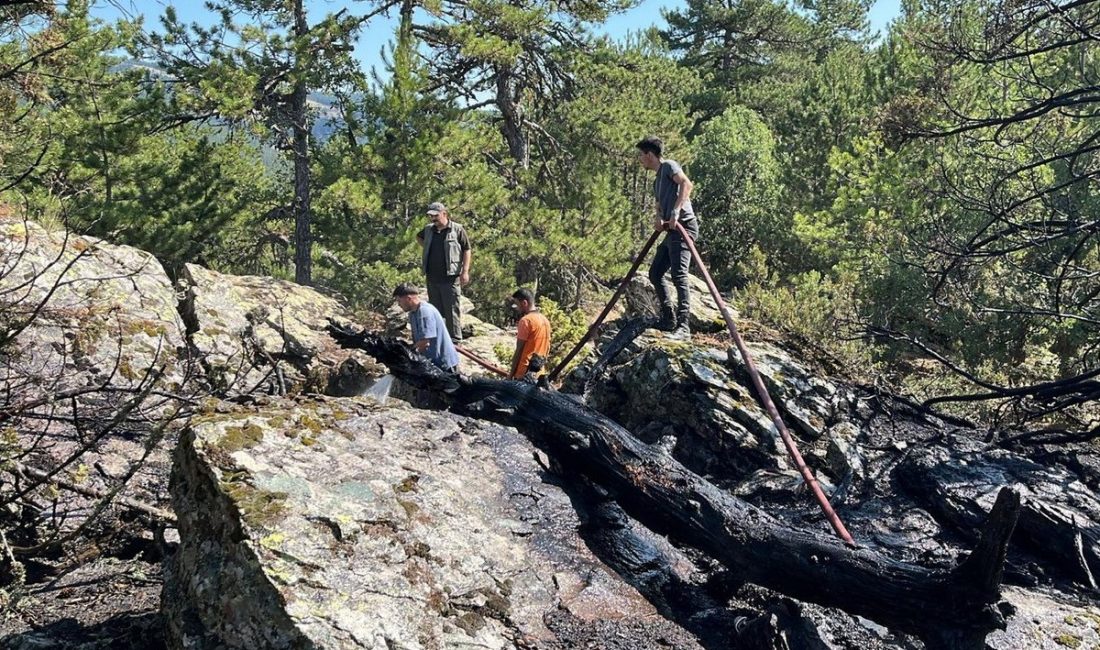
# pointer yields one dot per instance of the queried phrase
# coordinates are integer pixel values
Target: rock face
(94, 313)
(698, 401)
(340, 524)
(266, 335)
(97, 355)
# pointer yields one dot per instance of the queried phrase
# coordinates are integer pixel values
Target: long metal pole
(766, 399)
(482, 362)
(606, 310)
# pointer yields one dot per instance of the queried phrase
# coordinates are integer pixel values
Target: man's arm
(464, 278)
(683, 194)
(464, 242)
(420, 238)
(427, 333)
(515, 359)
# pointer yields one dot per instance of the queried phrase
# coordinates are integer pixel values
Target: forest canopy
(920, 202)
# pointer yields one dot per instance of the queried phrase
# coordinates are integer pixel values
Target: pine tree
(260, 74)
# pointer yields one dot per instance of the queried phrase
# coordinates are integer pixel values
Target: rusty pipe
(606, 310)
(765, 398)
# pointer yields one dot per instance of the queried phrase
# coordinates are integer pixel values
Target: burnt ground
(106, 603)
(108, 594)
(103, 589)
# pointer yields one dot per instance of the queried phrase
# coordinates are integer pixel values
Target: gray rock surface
(1046, 621)
(99, 323)
(98, 313)
(342, 524)
(661, 388)
(259, 334)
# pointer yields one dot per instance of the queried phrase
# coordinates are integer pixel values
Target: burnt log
(1059, 517)
(780, 627)
(948, 609)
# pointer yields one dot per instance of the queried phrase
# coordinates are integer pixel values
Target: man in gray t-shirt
(672, 189)
(429, 330)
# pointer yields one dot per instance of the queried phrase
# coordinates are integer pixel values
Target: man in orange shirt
(532, 338)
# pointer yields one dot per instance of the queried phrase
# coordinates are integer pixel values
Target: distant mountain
(328, 120)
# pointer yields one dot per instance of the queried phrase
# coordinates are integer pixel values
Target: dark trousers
(673, 254)
(444, 295)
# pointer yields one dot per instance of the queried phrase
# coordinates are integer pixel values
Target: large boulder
(700, 402)
(342, 524)
(90, 378)
(86, 313)
(262, 334)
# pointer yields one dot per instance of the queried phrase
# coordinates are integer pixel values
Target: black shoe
(682, 332)
(668, 321)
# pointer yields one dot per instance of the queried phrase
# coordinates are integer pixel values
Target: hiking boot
(682, 332)
(668, 320)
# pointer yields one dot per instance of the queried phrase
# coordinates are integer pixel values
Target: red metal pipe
(606, 310)
(766, 399)
(482, 362)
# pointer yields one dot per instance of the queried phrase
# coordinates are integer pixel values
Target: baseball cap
(436, 208)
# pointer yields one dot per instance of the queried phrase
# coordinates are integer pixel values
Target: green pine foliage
(931, 191)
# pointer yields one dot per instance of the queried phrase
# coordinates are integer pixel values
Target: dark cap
(405, 289)
(436, 208)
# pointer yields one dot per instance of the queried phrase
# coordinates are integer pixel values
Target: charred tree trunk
(948, 609)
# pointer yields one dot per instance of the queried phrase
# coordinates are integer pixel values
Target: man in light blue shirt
(429, 330)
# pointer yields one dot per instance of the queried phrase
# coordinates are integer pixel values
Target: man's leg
(680, 255)
(453, 311)
(434, 296)
(657, 271)
(444, 296)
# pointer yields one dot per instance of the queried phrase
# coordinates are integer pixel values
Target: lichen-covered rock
(1046, 621)
(703, 405)
(343, 524)
(809, 403)
(259, 334)
(86, 312)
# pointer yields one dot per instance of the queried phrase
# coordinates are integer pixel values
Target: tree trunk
(948, 609)
(303, 240)
(511, 113)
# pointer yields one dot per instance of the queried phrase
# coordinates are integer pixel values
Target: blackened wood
(948, 609)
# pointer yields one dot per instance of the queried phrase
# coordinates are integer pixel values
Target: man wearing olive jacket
(446, 265)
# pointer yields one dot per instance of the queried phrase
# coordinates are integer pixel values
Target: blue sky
(380, 31)
(648, 13)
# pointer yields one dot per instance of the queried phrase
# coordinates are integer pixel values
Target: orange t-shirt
(534, 331)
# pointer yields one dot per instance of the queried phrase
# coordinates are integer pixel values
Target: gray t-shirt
(427, 323)
(666, 190)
